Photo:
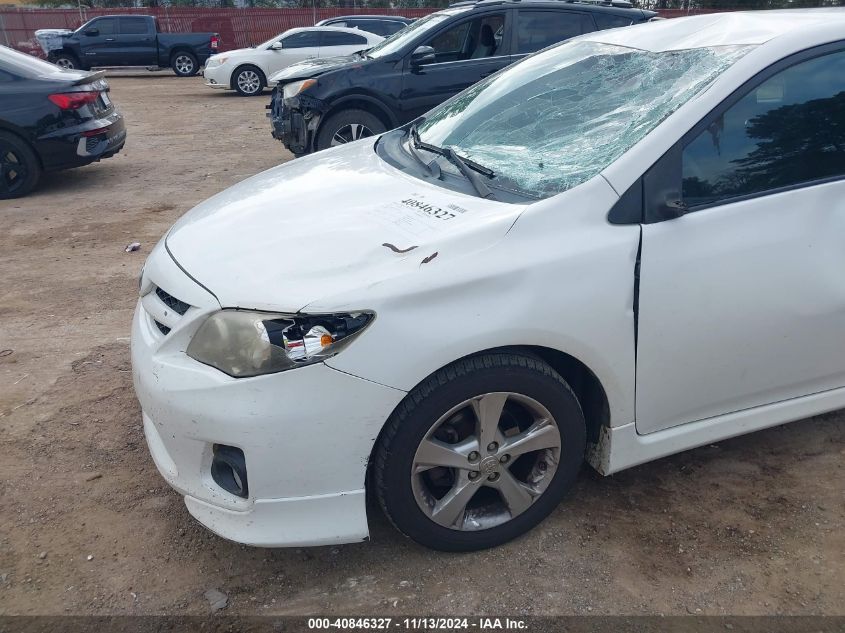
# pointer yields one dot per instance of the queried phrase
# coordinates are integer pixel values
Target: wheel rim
(485, 461)
(349, 133)
(64, 62)
(249, 81)
(13, 171)
(184, 64)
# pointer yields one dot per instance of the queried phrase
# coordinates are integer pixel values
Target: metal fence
(237, 27)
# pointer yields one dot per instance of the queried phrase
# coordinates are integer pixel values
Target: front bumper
(218, 77)
(294, 122)
(306, 434)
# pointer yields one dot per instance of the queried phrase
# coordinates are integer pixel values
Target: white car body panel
(330, 233)
(271, 60)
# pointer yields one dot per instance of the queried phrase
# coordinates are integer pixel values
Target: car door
(99, 44)
(536, 29)
(335, 43)
(137, 41)
(466, 51)
(296, 47)
(742, 299)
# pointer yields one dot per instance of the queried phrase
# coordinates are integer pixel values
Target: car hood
(338, 221)
(237, 52)
(314, 67)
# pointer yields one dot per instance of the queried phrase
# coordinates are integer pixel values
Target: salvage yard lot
(752, 525)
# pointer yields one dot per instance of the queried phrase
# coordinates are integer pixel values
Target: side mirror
(92, 32)
(423, 55)
(276, 46)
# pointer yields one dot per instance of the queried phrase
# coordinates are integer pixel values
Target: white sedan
(622, 247)
(246, 69)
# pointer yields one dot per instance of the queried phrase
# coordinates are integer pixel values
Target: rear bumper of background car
(94, 141)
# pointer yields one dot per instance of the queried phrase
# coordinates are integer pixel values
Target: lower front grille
(179, 307)
(162, 327)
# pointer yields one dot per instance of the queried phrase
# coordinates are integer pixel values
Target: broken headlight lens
(242, 343)
(293, 89)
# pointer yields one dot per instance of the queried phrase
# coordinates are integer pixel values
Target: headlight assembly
(216, 61)
(242, 343)
(293, 89)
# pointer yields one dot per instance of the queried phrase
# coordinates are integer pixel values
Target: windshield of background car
(561, 116)
(273, 40)
(398, 40)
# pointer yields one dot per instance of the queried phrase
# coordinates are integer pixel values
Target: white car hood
(338, 221)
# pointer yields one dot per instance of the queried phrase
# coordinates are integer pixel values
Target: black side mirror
(423, 55)
(92, 32)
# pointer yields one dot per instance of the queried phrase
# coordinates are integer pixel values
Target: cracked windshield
(557, 119)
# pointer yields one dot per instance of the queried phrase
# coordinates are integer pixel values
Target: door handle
(110, 39)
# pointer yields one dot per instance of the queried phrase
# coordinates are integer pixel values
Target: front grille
(162, 327)
(179, 307)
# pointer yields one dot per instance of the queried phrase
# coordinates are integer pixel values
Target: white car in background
(621, 247)
(246, 69)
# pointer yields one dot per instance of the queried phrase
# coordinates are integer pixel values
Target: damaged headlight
(294, 88)
(242, 343)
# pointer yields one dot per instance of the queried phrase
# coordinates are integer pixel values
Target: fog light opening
(228, 470)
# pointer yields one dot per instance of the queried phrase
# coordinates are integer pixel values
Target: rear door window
(133, 26)
(538, 29)
(610, 21)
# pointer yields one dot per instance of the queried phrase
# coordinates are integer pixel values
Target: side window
(303, 39)
(472, 39)
(786, 131)
(106, 26)
(342, 39)
(538, 29)
(610, 21)
(133, 26)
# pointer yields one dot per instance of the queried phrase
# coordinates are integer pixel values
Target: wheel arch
(240, 67)
(585, 384)
(181, 49)
(8, 129)
(360, 101)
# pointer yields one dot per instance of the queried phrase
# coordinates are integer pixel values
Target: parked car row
(330, 101)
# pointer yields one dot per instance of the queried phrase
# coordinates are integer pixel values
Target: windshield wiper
(466, 166)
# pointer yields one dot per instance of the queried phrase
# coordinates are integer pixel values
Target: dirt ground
(749, 526)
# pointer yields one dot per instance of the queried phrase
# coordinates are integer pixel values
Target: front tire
(68, 61)
(248, 81)
(347, 126)
(480, 452)
(184, 64)
(20, 169)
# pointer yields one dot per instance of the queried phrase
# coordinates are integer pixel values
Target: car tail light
(73, 100)
(215, 42)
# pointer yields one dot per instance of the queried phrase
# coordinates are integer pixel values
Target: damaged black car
(325, 102)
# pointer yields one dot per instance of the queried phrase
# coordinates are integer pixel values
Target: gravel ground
(87, 526)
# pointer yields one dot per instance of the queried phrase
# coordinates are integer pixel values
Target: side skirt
(621, 447)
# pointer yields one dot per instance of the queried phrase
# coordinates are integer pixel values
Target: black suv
(325, 102)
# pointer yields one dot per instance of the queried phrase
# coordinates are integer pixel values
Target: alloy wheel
(349, 133)
(184, 64)
(13, 171)
(66, 63)
(485, 461)
(249, 82)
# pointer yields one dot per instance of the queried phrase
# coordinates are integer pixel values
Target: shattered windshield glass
(560, 117)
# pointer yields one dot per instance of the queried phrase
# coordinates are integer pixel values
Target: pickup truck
(128, 40)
